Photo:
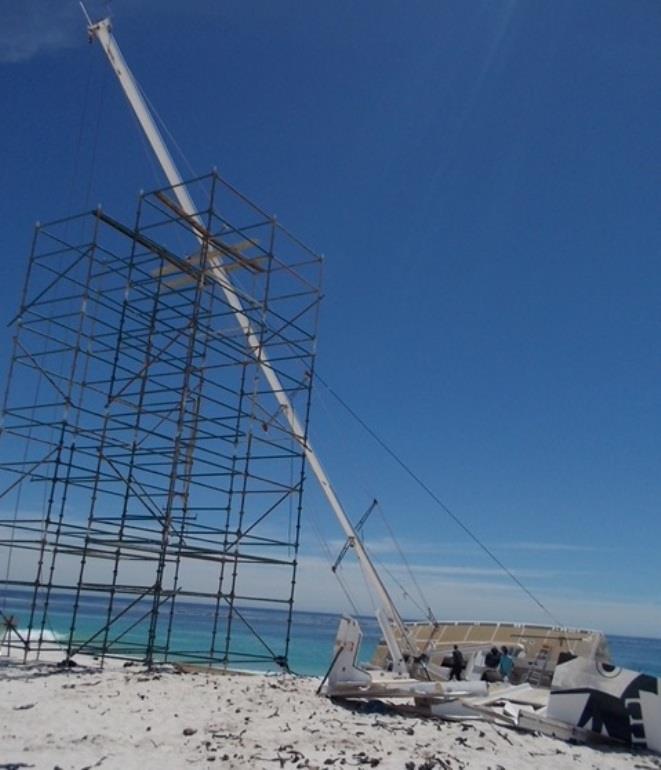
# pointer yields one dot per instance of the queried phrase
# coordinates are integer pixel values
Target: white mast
(388, 616)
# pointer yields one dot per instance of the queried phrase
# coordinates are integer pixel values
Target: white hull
(589, 699)
(613, 702)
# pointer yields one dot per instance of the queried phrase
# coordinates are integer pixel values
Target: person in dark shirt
(457, 664)
(492, 658)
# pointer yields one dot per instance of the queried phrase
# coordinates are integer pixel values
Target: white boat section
(614, 702)
(347, 679)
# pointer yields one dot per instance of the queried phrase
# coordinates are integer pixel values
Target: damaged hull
(613, 702)
(589, 699)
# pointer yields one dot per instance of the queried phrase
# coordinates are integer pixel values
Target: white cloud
(544, 546)
(464, 598)
(470, 571)
(415, 548)
(32, 27)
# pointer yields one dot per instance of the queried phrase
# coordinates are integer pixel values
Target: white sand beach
(131, 718)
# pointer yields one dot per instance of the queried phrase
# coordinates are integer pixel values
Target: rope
(409, 471)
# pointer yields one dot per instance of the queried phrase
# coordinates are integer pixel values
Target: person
(491, 663)
(492, 658)
(506, 663)
(457, 663)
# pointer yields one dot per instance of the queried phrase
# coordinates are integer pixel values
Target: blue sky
(483, 180)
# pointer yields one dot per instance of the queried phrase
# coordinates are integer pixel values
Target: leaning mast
(387, 616)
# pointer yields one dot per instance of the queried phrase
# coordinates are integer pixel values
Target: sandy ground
(130, 718)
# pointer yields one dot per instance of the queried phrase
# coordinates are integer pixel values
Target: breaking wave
(34, 635)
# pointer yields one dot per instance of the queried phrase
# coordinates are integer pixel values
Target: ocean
(312, 633)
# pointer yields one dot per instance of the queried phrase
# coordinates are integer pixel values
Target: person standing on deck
(457, 664)
(491, 671)
(492, 658)
(506, 663)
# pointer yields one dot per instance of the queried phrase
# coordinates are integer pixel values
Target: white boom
(388, 616)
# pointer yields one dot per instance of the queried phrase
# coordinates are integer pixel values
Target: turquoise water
(256, 636)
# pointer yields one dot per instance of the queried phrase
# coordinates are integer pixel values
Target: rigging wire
(423, 608)
(412, 474)
(95, 140)
(329, 556)
(426, 608)
(164, 127)
(80, 137)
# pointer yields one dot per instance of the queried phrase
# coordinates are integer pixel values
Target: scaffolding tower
(150, 486)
